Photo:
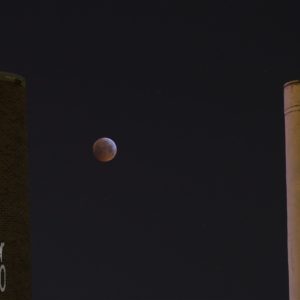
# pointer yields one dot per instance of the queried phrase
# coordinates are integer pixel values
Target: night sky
(193, 207)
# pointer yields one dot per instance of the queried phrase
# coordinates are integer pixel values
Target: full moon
(104, 149)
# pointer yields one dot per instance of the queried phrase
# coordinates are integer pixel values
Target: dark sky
(193, 207)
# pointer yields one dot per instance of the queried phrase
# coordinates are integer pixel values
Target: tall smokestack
(15, 266)
(292, 152)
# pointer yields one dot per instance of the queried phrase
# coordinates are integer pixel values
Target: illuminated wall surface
(15, 266)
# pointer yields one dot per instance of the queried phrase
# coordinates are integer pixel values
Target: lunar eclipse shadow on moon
(104, 149)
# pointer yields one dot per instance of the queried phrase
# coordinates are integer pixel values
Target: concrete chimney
(15, 265)
(292, 152)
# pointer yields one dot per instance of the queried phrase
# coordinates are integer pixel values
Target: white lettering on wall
(2, 269)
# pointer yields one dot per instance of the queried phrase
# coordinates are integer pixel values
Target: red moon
(104, 149)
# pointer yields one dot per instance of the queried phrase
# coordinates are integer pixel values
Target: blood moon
(104, 149)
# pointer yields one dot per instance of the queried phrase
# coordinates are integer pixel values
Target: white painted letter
(2, 269)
